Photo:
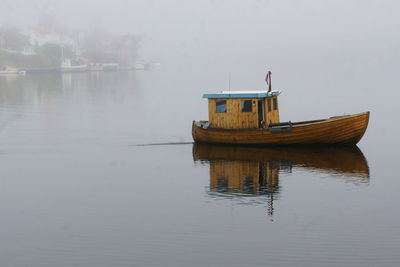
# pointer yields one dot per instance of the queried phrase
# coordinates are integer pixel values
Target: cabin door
(261, 119)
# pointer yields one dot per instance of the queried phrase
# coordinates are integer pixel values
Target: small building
(242, 109)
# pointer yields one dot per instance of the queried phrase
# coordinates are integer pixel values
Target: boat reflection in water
(238, 172)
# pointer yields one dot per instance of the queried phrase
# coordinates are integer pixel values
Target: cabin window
(247, 105)
(220, 106)
(269, 104)
(275, 101)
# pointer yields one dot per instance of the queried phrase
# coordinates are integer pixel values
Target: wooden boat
(252, 117)
(336, 130)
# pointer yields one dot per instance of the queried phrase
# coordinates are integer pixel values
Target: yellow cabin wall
(234, 118)
(273, 115)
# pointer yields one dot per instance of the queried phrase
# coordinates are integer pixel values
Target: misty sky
(283, 34)
(207, 20)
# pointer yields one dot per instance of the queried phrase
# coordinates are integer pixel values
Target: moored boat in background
(7, 70)
(110, 66)
(68, 67)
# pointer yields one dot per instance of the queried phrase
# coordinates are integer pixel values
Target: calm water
(76, 190)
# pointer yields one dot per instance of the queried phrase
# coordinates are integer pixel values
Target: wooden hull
(347, 129)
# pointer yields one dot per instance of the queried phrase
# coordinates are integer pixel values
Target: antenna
(229, 81)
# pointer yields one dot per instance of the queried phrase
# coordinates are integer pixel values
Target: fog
(239, 32)
(98, 168)
(318, 51)
(328, 48)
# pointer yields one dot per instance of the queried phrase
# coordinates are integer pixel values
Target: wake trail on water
(165, 144)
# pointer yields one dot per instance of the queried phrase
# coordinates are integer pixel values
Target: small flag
(267, 78)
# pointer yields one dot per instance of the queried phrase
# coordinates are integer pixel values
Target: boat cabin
(242, 109)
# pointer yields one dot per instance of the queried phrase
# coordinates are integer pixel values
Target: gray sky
(358, 34)
(229, 20)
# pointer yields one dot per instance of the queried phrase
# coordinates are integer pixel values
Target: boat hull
(71, 69)
(347, 129)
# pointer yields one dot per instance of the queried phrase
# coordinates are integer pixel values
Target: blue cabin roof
(242, 94)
